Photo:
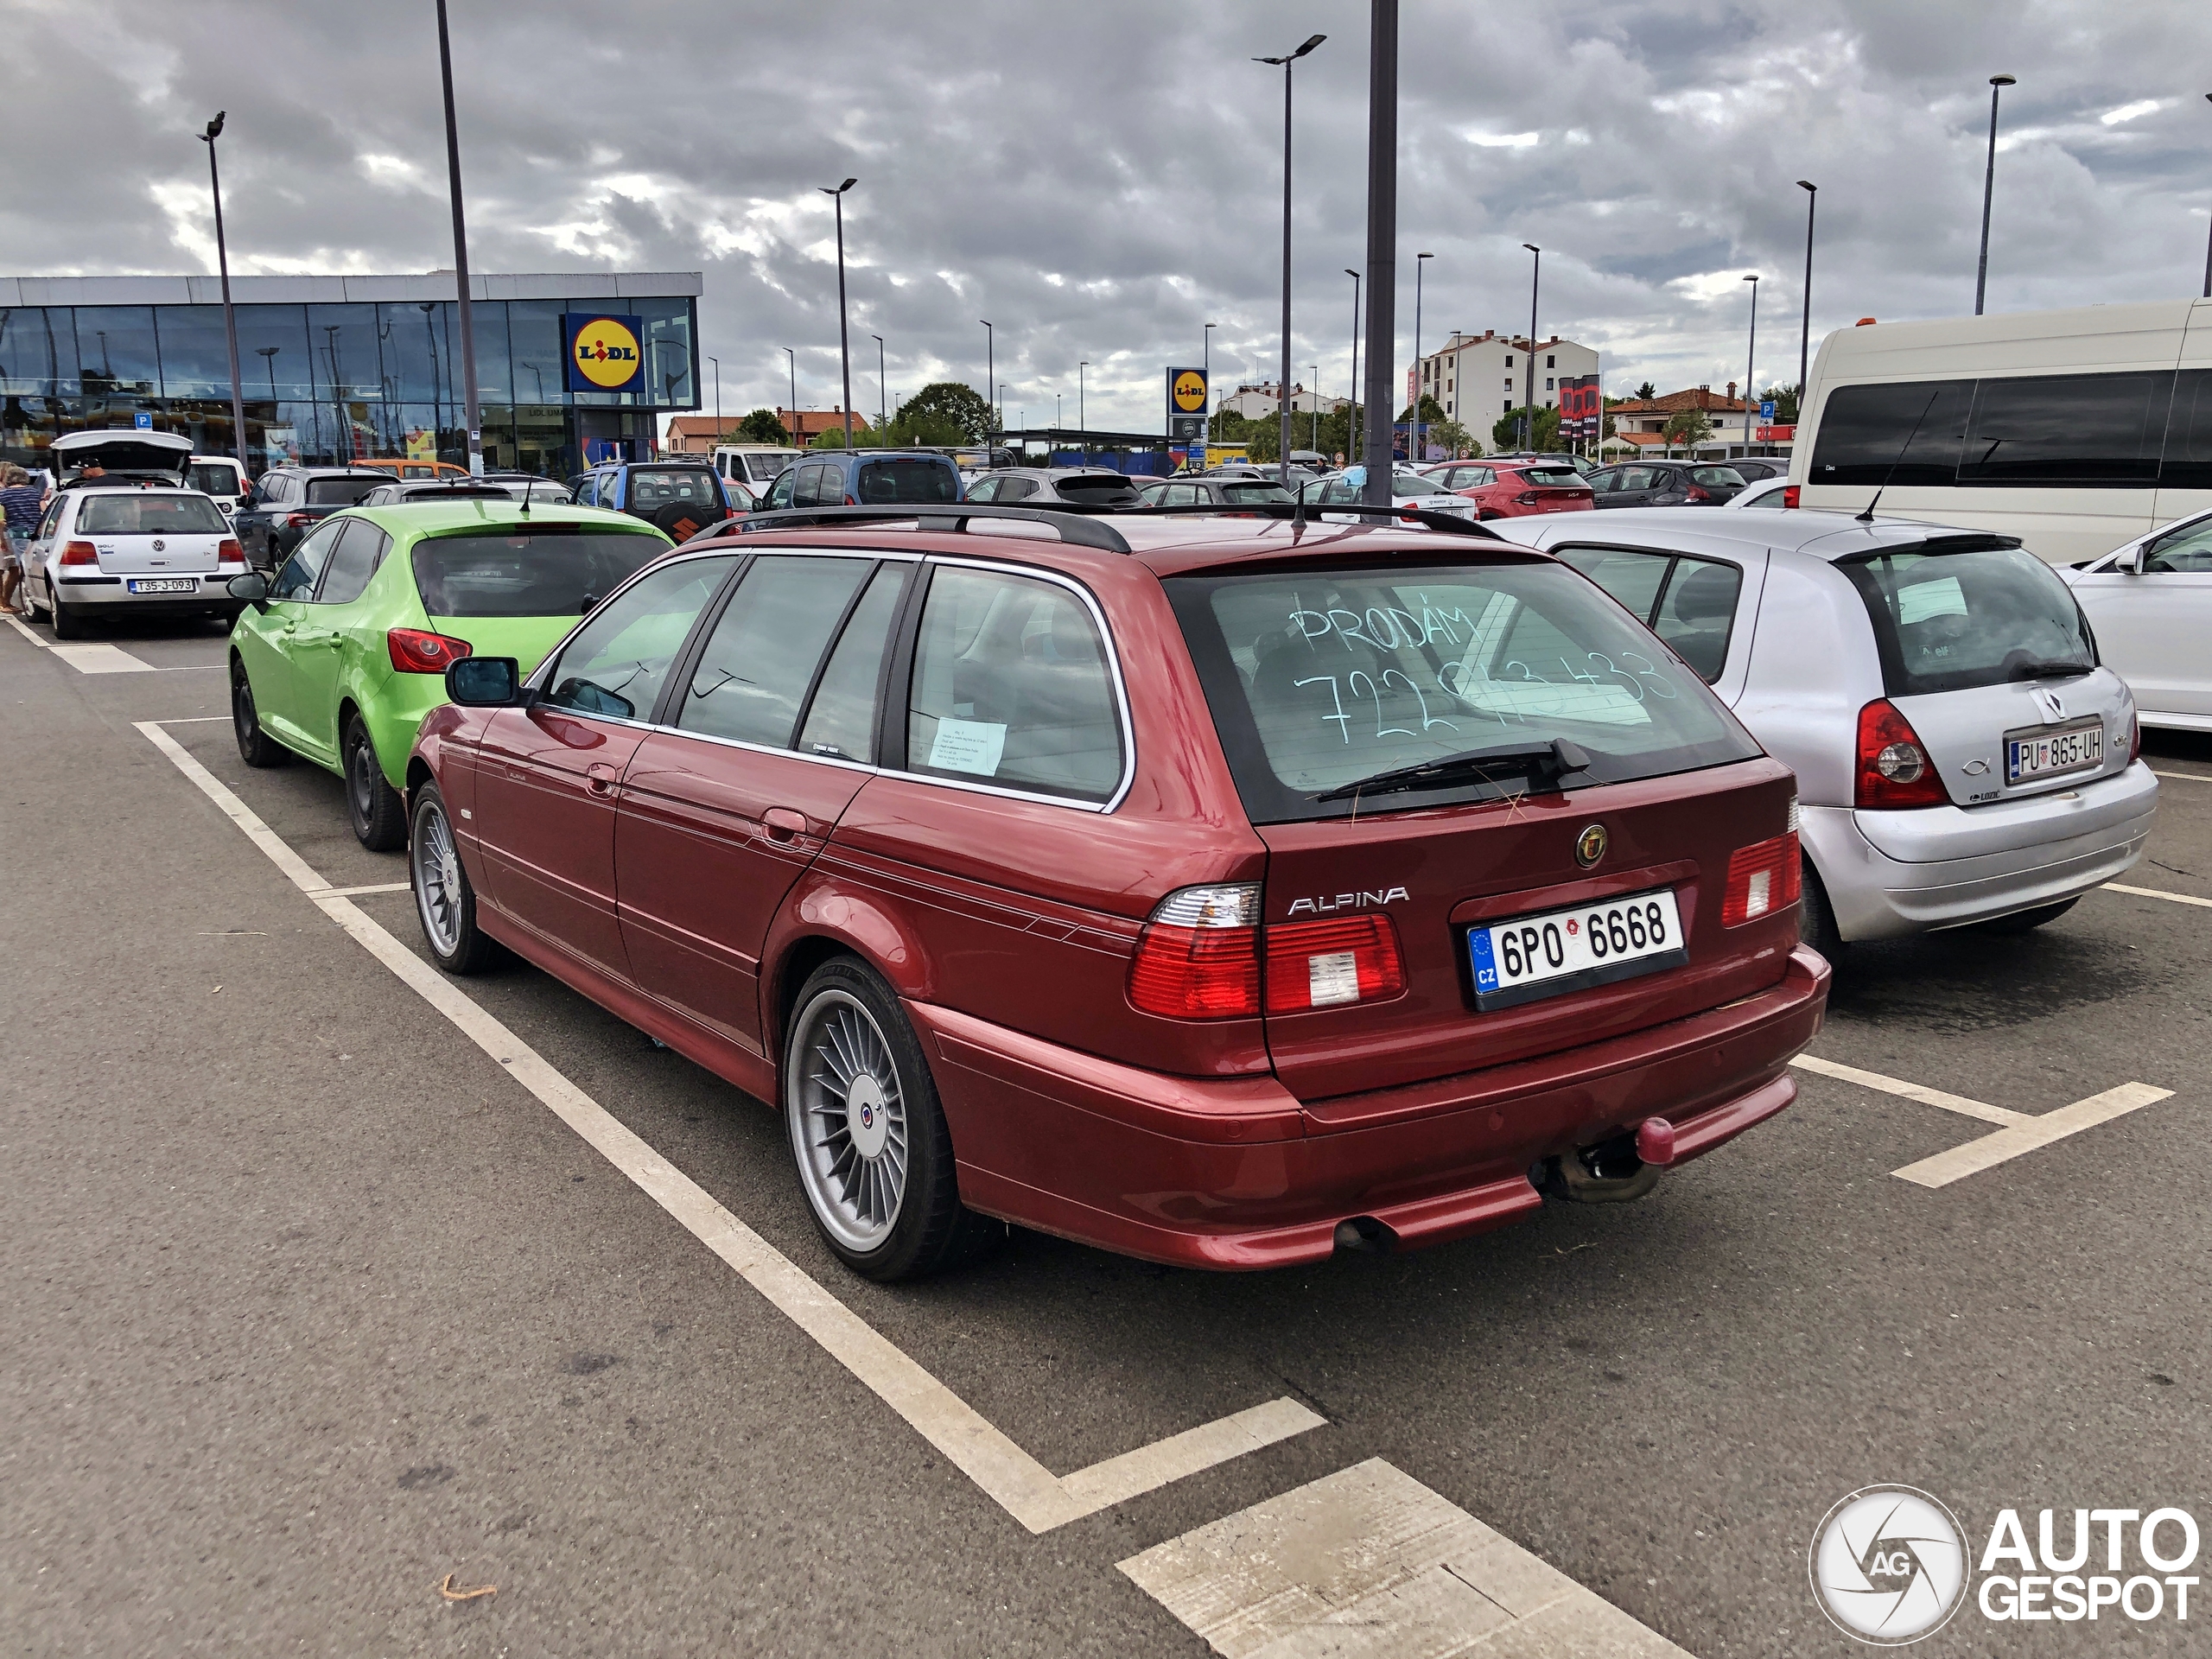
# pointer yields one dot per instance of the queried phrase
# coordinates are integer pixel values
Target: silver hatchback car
(1962, 756)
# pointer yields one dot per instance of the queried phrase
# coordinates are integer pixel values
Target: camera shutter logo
(1888, 1565)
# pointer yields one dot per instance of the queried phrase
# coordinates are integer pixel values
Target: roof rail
(937, 516)
(1305, 513)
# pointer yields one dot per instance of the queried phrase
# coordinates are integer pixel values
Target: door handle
(783, 823)
(601, 779)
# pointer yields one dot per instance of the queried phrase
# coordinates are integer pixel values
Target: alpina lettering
(1361, 900)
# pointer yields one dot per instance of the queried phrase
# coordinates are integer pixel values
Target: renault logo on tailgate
(1590, 845)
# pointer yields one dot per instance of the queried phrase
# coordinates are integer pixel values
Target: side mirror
(2134, 562)
(484, 682)
(253, 587)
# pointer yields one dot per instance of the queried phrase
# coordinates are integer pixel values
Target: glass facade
(329, 382)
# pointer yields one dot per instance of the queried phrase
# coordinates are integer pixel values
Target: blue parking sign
(1766, 410)
(143, 421)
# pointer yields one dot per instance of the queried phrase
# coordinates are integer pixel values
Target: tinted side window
(1866, 430)
(760, 658)
(2076, 429)
(358, 553)
(1011, 687)
(2189, 433)
(842, 718)
(984, 489)
(1634, 579)
(297, 579)
(1698, 611)
(1016, 489)
(779, 491)
(908, 480)
(619, 660)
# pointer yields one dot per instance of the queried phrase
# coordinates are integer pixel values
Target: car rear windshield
(1321, 678)
(1949, 618)
(908, 480)
(1243, 493)
(215, 480)
(342, 492)
(1552, 478)
(1726, 478)
(654, 488)
(556, 570)
(1116, 485)
(131, 513)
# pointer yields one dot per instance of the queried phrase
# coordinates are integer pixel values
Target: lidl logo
(1188, 388)
(603, 353)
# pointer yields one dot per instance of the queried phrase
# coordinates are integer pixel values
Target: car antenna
(526, 489)
(1867, 517)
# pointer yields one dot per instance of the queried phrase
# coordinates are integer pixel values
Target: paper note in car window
(971, 745)
(1923, 600)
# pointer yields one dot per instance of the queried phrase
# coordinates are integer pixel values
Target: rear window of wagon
(550, 571)
(1317, 678)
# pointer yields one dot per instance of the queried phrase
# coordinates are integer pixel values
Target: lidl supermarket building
(341, 368)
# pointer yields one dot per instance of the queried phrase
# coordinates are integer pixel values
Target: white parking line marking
(2019, 1132)
(2191, 777)
(1008, 1475)
(17, 623)
(101, 658)
(1369, 1561)
(356, 893)
(2155, 893)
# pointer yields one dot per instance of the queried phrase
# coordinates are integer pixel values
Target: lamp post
(1351, 421)
(472, 415)
(1997, 83)
(990, 362)
(1082, 420)
(1750, 363)
(1316, 422)
(844, 346)
(2207, 244)
(1805, 330)
(794, 433)
(1382, 237)
(717, 362)
(1413, 438)
(1528, 390)
(1205, 370)
(882, 393)
(229, 318)
(1282, 388)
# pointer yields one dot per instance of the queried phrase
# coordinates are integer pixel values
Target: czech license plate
(1559, 950)
(2032, 754)
(163, 585)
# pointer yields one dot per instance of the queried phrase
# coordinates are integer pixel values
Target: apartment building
(1478, 378)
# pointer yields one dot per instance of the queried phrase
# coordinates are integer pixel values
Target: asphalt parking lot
(314, 1306)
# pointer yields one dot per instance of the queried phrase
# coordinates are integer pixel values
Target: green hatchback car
(340, 657)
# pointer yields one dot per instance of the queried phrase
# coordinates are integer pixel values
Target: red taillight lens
(298, 520)
(227, 552)
(2134, 737)
(1894, 769)
(1198, 957)
(1526, 498)
(416, 651)
(79, 553)
(1762, 880)
(1789, 494)
(1696, 492)
(1320, 964)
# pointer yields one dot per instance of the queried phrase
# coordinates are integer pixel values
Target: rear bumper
(1890, 874)
(113, 594)
(1235, 1173)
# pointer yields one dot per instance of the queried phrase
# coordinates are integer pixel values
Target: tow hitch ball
(1618, 1170)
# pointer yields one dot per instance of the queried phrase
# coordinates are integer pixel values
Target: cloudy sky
(1101, 181)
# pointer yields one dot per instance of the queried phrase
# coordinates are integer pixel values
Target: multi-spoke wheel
(873, 1155)
(444, 902)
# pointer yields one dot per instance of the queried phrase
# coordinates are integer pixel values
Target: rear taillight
(1762, 879)
(1199, 956)
(1894, 769)
(1526, 498)
(227, 552)
(1320, 964)
(2134, 737)
(417, 650)
(1696, 492)
(1789, 494)
(79, 553)
(298, 520)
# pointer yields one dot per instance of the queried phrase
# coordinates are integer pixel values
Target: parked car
(1233, 490)
(289, 501)
(1664, 484)
(1962, 756)
(1045, 486)
(2150, 601)
(838, 478)
(756, 466)
(1408, 489)
(340, 657)
(1511, 489)
(679, 498)
(493, 486)
(1581, 464)
(1134, 886)
(1754, 469)
(219, 477)
(123, 546)
(1768, 495)
(414, 466)
(121, 455)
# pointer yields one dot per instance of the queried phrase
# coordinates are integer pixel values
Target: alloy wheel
(437, 880)
(847, 1119)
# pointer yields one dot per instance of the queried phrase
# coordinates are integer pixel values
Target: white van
(756, 466)
(2075, 430)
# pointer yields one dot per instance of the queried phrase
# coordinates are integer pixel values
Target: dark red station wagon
(1221, 893)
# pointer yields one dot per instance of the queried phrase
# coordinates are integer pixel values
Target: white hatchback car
(1408, 489)
(2150, 604)
(1961, 755)
(129, 544)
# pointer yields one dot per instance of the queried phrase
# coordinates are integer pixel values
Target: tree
(761, 426)
(864, 437)
(1686, 426)
(1647, 392)
(1453, 439)
(1262, 440)
(1506, 434)
(1431, 412)
(925, 430)
(1785, 399)
(948, 403)
(1230, 426)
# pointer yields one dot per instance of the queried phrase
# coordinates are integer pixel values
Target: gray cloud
(1102, 181)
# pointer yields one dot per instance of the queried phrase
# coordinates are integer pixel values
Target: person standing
(21, 502)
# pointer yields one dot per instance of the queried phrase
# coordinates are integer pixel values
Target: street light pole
(1351, 418)
(1528, 390)
(794, 433)
(844, 343)
(990, 363)
(1382, 237)
(1206, 371)
(1082, 421)
(230, 319)
(1805, 330)
(717, 362)
(472, 417)
(882, 395)
(1282, 386)
(1750, 363)
(1414, 454)
(1316, 422)
(2208, 244)
(1997, 83)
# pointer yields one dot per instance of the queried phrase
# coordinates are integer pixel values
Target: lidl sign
(1186, 405)
(604, 353)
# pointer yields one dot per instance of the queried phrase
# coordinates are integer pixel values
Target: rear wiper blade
(1554, 761)
(2050, 671)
